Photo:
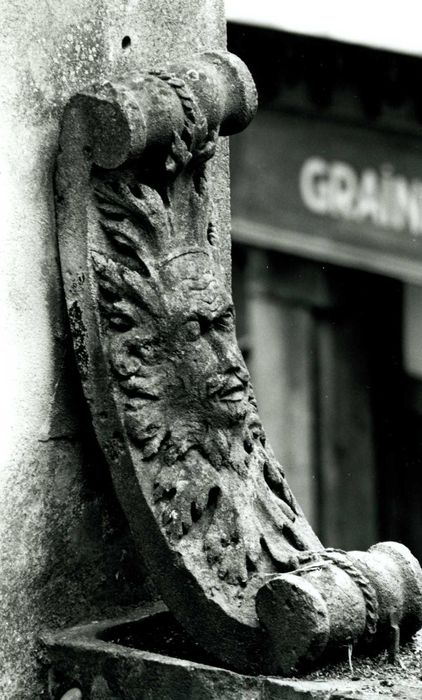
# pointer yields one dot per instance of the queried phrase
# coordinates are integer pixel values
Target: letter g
(313, 185)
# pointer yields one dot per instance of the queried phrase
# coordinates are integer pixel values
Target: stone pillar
(65, 552)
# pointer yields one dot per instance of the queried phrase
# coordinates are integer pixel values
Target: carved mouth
(232, 391)
(134, 386)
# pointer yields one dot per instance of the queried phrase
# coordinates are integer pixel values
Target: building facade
(327, 230)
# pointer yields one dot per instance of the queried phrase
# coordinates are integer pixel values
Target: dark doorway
(324, 346)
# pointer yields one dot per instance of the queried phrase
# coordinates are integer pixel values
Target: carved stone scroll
(172, 405)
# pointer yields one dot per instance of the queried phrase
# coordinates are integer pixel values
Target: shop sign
(330, 190)
(381, 197)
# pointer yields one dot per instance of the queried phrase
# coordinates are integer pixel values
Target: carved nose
(228, 353)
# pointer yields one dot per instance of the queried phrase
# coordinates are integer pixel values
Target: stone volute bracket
(152, 323)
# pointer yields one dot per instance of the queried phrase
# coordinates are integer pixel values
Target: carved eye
(225, 322)
(192, 330)
(121, 322)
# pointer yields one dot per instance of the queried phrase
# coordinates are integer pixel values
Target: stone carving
(152, 321)
(182, 387)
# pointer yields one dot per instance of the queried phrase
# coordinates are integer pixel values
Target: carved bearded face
(181, 372)
(169, 324)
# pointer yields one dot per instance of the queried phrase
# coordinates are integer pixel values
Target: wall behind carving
(65, 552)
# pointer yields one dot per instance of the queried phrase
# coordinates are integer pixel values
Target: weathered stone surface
(133, 659)
(65, 551)
(152, 321)
(296, 617)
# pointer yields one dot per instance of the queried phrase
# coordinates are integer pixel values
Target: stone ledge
(134, 658)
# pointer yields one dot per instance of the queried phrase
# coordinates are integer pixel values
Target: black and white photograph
(211, 350)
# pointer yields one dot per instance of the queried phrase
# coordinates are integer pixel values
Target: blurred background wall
(327, 256)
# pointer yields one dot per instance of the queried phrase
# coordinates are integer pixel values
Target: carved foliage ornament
(153, 327)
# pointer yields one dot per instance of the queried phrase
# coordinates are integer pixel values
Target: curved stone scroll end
(339, 599)
(209, 94)
(296, 618)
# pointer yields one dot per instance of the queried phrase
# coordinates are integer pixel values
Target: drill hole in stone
(126, 42)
